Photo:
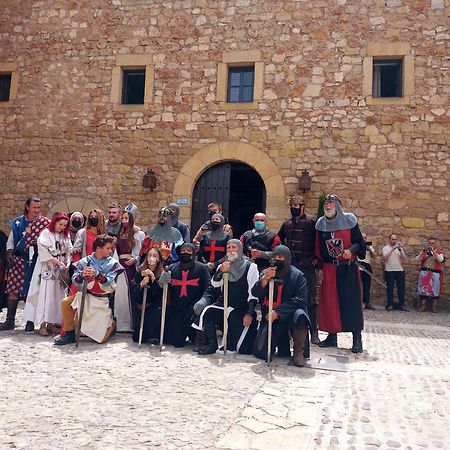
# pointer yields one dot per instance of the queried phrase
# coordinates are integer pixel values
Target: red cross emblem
(277, 297)
(213, 249)
(184, 282)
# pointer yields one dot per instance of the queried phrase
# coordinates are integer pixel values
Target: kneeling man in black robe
(187, 280)
(289, 305)
(241, 315)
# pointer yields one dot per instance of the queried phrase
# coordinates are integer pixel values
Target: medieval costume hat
(342, 221)
(131, 208)
(295, 199)
(238, 266)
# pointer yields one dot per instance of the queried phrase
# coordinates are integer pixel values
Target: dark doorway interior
(238, 187)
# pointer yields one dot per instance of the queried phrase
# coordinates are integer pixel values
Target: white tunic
(44, 297)
(122, 301)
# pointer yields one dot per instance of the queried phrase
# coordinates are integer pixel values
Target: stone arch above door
(233, 151)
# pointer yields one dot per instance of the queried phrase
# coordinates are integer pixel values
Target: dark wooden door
(237, 187)
(212, 186)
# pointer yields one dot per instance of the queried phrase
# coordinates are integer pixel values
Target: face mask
(125, 224)
(260, 225)
(215, 225)
(152, 261)
(186, 257)
(295, 212)
(93, 221)
(76, 223)
(277, 263)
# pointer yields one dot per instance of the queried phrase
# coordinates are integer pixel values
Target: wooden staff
(81, 309)
(163, 315)
(226, 276)
(144, 304)
(269, 325)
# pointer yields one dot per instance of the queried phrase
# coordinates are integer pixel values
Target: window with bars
(133, 87)
(5, 86)
(387, 78)
(241, 81)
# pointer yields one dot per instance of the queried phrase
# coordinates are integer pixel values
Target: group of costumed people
(124, 274)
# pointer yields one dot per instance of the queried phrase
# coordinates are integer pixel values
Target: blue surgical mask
(260, 225)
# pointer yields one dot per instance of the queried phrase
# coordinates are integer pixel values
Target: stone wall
(62, 136)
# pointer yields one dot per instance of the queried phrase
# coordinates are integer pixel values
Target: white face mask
(152, 261)
(232, 256)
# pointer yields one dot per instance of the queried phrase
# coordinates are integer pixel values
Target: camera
(429, 251)
(368, 243)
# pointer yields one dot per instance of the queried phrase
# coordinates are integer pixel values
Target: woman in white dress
(47, 289)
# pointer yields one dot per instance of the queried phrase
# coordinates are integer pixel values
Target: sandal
(52, 328)
(43, 330)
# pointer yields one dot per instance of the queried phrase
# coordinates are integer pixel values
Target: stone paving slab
(114, 396)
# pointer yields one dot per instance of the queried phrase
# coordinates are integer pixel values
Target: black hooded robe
(289, 302)
(241, 302)
(185, 289)
(152, 318)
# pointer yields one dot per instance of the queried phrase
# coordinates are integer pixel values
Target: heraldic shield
(335, 247)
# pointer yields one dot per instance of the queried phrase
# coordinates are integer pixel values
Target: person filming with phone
(394, 257)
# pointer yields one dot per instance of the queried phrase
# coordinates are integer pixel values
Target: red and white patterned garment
(16, 273)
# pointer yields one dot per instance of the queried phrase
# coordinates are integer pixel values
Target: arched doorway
(237, 187)
(239, 152)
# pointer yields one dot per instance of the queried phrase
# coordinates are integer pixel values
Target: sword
(163, 315)
(269, 326)
(144, 304)
(369, 273)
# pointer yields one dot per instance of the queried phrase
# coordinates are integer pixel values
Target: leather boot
(68, 338)
(315, 336)
(423, 305)
(199, 341)
(211, 340)
(357, 342)
(29, 326)
(299, 346)
(9, 323)
(329, 341)
(433, 305)
(312, 312)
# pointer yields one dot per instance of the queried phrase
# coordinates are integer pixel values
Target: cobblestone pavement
(394, 395)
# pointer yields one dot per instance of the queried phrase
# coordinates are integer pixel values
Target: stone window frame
(127, 62)
(389, 50)
(240, 58)
(10, 68)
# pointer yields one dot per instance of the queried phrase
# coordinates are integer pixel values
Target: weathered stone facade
(65, 136)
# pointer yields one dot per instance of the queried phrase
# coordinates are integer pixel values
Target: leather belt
(426, 269)
(336, 262)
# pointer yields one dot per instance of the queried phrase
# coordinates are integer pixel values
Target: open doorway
(237, 187)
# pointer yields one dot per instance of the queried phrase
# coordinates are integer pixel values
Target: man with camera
(365, 277)
(430, 275)
(394, 257)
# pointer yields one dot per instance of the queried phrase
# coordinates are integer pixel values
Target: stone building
(230, 100)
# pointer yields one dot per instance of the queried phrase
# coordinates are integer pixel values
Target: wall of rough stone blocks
(63, 138)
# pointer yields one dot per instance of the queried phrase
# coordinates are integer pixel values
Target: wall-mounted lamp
(149, 180)
(304, 182)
